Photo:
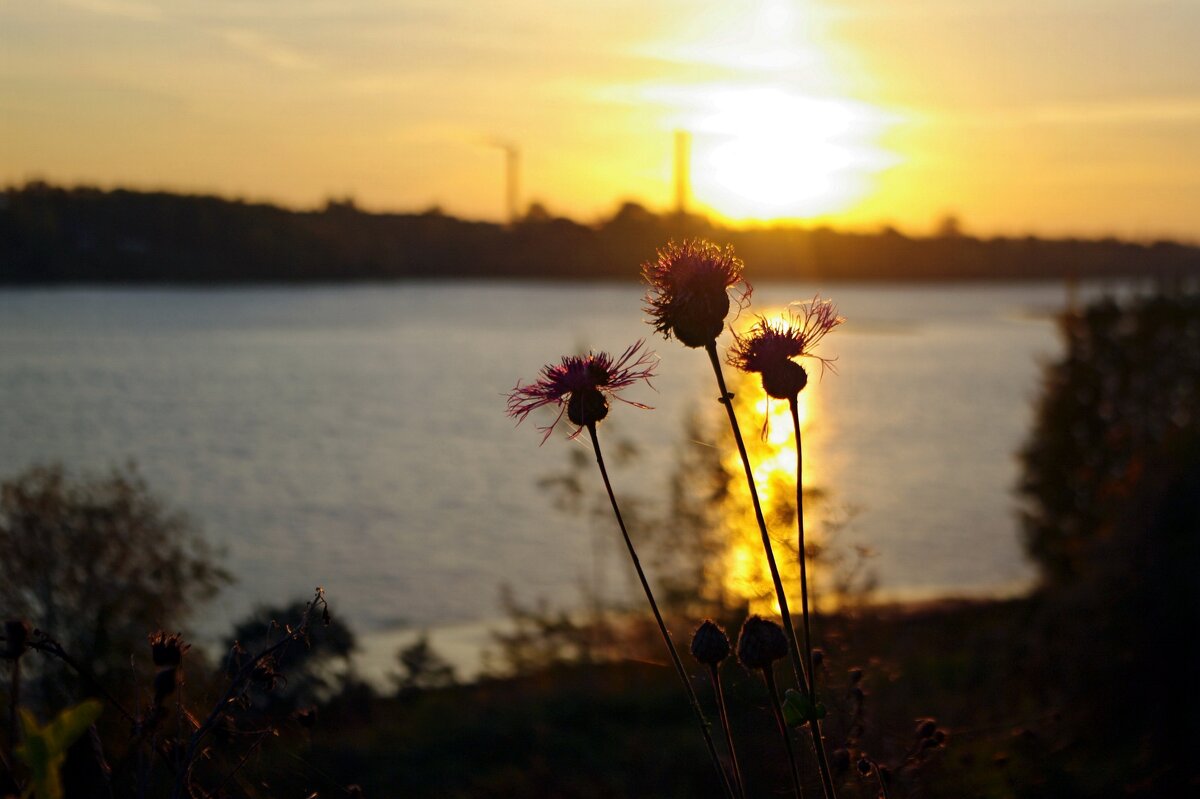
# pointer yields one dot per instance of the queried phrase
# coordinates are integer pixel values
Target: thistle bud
(864, 766)
(784, 379)
(16, 634)
(761, 643)
(926, 728)
(710, 645)
(856, 675)
(586, 406)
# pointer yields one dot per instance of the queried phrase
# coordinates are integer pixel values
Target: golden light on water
(741, 567)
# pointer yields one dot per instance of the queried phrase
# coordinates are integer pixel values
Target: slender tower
(683, 167)
(512, 165)
(512, 168)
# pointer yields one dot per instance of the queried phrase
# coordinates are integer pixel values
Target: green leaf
(72, 723)
(799, 710)
(44, 749)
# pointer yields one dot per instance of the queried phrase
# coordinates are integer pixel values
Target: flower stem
(662, 627)
(14, 699)
(784, 732)
(790, 631)
(815, 726)
(720, 691)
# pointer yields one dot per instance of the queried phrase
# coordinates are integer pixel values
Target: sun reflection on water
(741, 567)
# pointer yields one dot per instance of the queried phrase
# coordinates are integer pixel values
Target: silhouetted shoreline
(55, 235)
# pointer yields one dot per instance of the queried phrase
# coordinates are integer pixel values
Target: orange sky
(1051, 116)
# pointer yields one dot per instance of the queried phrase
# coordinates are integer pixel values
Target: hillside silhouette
(56, 235)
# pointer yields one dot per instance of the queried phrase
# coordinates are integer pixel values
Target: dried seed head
(167, 650)
(710, 644)
(16, 635)
(761, 643)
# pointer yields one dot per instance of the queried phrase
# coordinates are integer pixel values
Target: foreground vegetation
(1078, 690)
(979, 669)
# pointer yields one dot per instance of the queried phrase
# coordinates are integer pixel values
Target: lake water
(355, 437)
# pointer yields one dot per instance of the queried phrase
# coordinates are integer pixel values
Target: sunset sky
(1050, 116)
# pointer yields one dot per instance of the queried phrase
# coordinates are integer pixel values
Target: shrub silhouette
(97, 562)
(1129, 383)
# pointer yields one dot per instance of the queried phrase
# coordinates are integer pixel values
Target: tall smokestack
(512, 157)
(683, 168)
(512, 168)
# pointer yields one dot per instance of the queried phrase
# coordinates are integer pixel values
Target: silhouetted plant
(688, 298)
(1112, 488)
(769, 350)
(314, 671)
(97, 562)
(580, 386)
(1128, 384)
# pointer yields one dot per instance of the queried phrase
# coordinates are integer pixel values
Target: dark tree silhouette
(98, 563)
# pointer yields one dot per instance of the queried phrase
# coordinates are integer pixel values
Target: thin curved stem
(804, 612)
(790, 631)
(662, 627)
(818, 739)
(883, 791)
(733, 758)
(769, 677)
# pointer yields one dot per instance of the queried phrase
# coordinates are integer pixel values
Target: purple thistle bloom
(580, 386)
(690, 289)
(769, 347)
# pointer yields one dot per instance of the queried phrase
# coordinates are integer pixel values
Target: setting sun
(768, 154)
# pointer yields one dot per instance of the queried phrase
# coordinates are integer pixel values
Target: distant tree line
(51, 234)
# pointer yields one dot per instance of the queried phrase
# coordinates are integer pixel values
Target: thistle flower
(689, 293)
(581, 385)
(769, 347)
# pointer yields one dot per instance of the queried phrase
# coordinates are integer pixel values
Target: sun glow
(767, 154)
(778, 129)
